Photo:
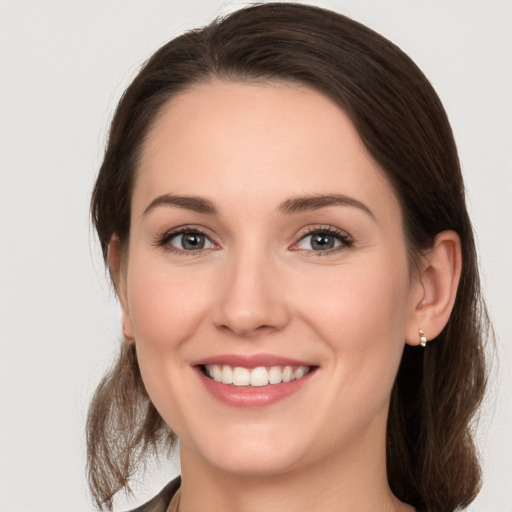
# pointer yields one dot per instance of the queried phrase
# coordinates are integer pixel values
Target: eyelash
(346, 241)
(165, 239)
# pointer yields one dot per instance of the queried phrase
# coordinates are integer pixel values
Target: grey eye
(191, 241)
(319, 241)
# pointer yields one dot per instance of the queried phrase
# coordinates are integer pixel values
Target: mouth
(253, 381)
(260, 376)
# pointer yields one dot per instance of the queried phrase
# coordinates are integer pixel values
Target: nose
(252, 298)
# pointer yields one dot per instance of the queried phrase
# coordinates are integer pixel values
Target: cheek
(362, 321)
(166, 308)
(164, 305)
(358, 299)
(361, 314)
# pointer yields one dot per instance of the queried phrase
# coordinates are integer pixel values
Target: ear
(435, 288)
(116, 263)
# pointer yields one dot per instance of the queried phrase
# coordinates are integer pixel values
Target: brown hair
(431, 458)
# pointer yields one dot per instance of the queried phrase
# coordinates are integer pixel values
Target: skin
(258, 286)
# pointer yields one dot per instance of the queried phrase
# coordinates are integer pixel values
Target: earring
(423, 338)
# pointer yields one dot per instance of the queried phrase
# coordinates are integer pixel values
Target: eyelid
(346, 239)
(163, 240)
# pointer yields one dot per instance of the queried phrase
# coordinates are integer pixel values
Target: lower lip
(252, 396)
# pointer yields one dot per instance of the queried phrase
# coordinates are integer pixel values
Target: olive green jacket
(162, 500)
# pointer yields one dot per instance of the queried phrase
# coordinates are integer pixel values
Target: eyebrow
(194, 203)
(289, 207)
(315, 202)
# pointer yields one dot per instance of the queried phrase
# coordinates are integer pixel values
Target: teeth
(257, 377)
(241, 376)
(227, 375)
(217, 373)
(275, 375)
(288, 374)
(300, 372)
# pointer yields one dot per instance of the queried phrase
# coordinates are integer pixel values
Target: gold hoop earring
(423, 338)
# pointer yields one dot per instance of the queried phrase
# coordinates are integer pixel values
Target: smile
(254, 377)
(256, 380)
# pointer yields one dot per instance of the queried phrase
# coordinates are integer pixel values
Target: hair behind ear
(123, 427)
(432, 460)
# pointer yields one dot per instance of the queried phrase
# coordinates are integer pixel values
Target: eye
(190, 241)
(319, 242)
(323, 240)
(186, 240)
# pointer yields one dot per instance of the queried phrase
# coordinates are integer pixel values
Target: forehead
(258, 140)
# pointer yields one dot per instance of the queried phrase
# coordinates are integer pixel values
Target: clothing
(163, 499)
(170, 495)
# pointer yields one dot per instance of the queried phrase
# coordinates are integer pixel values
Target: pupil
(322, 242)
(192, 241)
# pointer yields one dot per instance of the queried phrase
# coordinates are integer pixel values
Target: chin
(253, 453)
(256, 463)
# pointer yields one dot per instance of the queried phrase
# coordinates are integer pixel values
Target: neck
(355, 480)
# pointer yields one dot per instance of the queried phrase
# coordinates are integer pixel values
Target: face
(266, 283)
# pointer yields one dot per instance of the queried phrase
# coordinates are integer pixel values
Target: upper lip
(250, 361)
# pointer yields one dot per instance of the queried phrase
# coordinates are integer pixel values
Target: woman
(282, 212)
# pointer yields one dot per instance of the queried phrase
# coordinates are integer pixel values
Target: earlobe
(127, 328)
(115, 263)
(438, 283)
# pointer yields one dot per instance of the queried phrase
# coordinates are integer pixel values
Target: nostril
(247, 330)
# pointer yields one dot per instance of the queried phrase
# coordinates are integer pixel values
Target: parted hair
(431, 457)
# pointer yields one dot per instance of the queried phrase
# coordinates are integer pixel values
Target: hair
(431, 458)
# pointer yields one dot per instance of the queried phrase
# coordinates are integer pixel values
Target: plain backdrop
(63, 67)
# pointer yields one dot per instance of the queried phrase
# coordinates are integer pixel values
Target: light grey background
(63, 66)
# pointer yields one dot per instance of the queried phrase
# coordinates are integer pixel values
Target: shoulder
(161, 501)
